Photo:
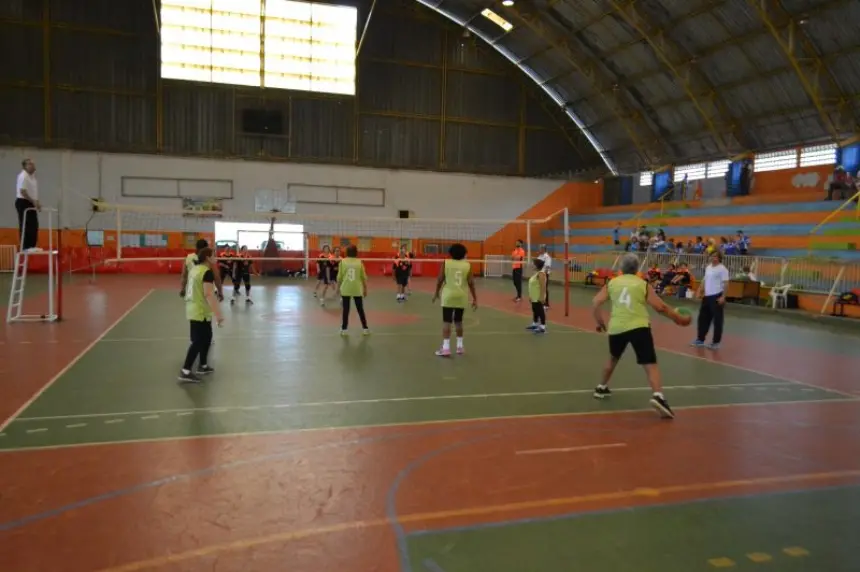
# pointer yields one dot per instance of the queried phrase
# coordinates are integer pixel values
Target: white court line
(74, 360)
(762, 386)
(463, 421)
(76, 425)
(571, 449)
(374, 334)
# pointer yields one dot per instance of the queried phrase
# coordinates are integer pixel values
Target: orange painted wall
(789, 181)
(576, 197)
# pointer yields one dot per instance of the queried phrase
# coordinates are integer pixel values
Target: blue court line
(619, 510)
(432, 566)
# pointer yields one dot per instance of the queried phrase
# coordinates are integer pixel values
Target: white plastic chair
(779, 296)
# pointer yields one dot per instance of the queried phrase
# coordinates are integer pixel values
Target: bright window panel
(775, 161)
(310, 47)
(211, 41)
(818, 155)
(692, 172)
(645, 178)
(717, 169)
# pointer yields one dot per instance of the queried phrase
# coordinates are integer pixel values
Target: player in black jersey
(323, 272)
(242, 268)
(225, 263)
(402, 267)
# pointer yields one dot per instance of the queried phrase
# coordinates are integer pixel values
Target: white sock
(186, 371)
(658, 394)
(446, 344)
(602, 386)
(542, 327)
(460, 342)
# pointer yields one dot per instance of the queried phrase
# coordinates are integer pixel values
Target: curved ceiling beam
(586, 132)
(712, 110)
(644, 140)
(814, 75)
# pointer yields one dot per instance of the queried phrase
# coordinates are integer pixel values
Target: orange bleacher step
(704, 221)
(758, 241)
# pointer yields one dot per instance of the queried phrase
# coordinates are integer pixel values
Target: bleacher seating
(779, 229)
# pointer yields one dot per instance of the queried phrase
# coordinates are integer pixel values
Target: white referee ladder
(14, 312)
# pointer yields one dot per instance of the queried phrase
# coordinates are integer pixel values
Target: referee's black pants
(547, 290)
(711, 311)
(359, 307)
(518, 281)
(201, 340)
(28, 233)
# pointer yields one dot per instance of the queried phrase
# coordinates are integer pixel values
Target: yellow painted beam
(649, 146)
(796, 46)
(710, 109)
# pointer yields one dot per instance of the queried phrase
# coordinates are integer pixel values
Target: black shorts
(452, 315)
(640, 339)
(323, 276)
(401, 277)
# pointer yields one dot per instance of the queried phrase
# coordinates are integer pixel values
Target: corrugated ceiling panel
(700, 32)
(398, 88)
(680, 118)
(523, 42)
(393, 37)
(25, 42)
(636, 60)
(579, 13)
(765, 53)
(738, 17)
(549, 65)
(728, 65)
(846, 69)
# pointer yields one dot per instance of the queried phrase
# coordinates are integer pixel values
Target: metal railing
(806, 275)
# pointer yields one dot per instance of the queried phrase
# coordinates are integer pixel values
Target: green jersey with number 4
(455, 292)
(628, 294)
(351, 276)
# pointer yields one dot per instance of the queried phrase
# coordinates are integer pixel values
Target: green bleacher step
(833, 246)
(842, 231)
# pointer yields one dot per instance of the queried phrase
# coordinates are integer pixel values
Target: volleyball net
(133, 238)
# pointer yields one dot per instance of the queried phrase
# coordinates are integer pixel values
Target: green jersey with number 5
(628, 294)
(455, 292)
(351, 277)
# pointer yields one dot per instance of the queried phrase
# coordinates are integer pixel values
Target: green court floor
(742, 534)
(282, 365)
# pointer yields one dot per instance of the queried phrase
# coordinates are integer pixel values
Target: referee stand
(14, 312)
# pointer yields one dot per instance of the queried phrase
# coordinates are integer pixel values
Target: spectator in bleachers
(743, 243)
(841, 182)
(666, 278)
(729, 248)
(711, 246)
(699, 247)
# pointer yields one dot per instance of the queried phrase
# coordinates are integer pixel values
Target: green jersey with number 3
(351, 276)
(628, 294)
(455, 292)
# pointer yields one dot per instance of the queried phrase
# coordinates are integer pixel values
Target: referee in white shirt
(713, 302)
(547, 267)
(27, 197)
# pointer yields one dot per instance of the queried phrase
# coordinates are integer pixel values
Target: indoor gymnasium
(430, 286)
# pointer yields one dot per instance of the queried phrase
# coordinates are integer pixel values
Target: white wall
(68, 178)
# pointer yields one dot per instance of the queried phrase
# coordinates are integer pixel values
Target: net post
(51, 261)
(528, 240)
(307, 238)
(118, 233)
(566, 273)
(60, 274)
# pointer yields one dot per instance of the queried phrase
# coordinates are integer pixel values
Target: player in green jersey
(189, 263)
(538, 296)
(630, 323)
(352, 283)
(201, 306)
(455, 277)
